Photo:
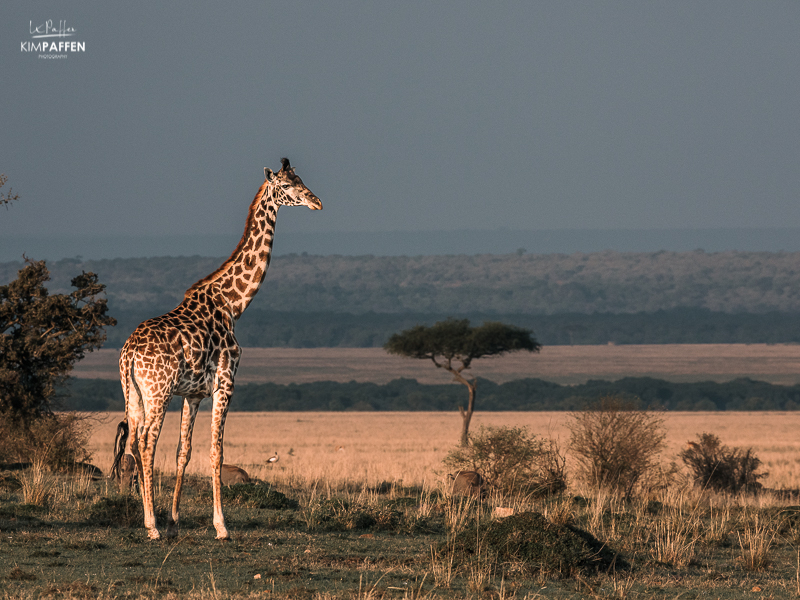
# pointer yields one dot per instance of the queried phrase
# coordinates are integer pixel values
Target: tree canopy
(43, 335)
(454, 340)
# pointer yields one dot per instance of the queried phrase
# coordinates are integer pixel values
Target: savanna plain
(359, 506)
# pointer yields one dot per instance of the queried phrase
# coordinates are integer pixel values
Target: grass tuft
(755, 543)
(37, 484)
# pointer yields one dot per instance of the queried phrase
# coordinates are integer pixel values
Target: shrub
(511, 460)
(55, 440)
(615, 444)
(722, 469)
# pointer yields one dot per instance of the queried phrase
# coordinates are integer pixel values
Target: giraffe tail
(121, 440)
(119, 447)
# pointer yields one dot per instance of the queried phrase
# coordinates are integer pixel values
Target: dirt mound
(541, 545)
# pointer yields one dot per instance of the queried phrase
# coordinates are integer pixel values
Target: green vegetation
(41, 337)
(532, 284)
(265, 328)
(519, 395)
(627, 298)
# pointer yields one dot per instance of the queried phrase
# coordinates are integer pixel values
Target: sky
(401, 116)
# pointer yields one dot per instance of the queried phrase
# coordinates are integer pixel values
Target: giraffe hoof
(153, 534)
(224, 537)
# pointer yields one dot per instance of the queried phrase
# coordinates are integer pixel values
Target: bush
(42, 336)
(512, 461)
(616, 444)
(53, 440)
(722, 469)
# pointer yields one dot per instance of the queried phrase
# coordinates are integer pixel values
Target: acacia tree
(42, 336)
(452, 345)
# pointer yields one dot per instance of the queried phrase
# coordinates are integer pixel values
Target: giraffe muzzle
(315, 204)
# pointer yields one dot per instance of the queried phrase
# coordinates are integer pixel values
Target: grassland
(369, 515)
(372, 520)
(341, 449)
(774, 363)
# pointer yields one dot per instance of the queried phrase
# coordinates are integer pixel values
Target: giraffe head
(289, 188)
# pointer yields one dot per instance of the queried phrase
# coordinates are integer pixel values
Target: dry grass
(37, 484)
(755, 542)
(775, 363)
(677, 539)
(409, 447)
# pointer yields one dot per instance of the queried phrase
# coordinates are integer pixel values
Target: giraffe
(192, 351)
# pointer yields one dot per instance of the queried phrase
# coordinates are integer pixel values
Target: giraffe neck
(239, 278)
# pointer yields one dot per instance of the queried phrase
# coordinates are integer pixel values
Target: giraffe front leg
(184, 455)
(220, 410)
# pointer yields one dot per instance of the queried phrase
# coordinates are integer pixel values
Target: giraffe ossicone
(192, 352)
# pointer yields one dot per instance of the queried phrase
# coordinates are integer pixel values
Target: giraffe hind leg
(147, 450)
(183, 456)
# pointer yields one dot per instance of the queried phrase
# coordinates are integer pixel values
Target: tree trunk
(466, 415)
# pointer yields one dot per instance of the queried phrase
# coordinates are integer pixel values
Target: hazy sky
(403, 115)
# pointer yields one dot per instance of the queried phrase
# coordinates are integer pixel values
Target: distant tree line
(360, 301)
(531, 284)
(268, 329)
(519, 395)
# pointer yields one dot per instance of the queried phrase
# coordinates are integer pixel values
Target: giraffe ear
(268, 174)
(285, 166)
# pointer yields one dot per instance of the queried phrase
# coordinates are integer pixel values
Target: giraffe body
(192, 351)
